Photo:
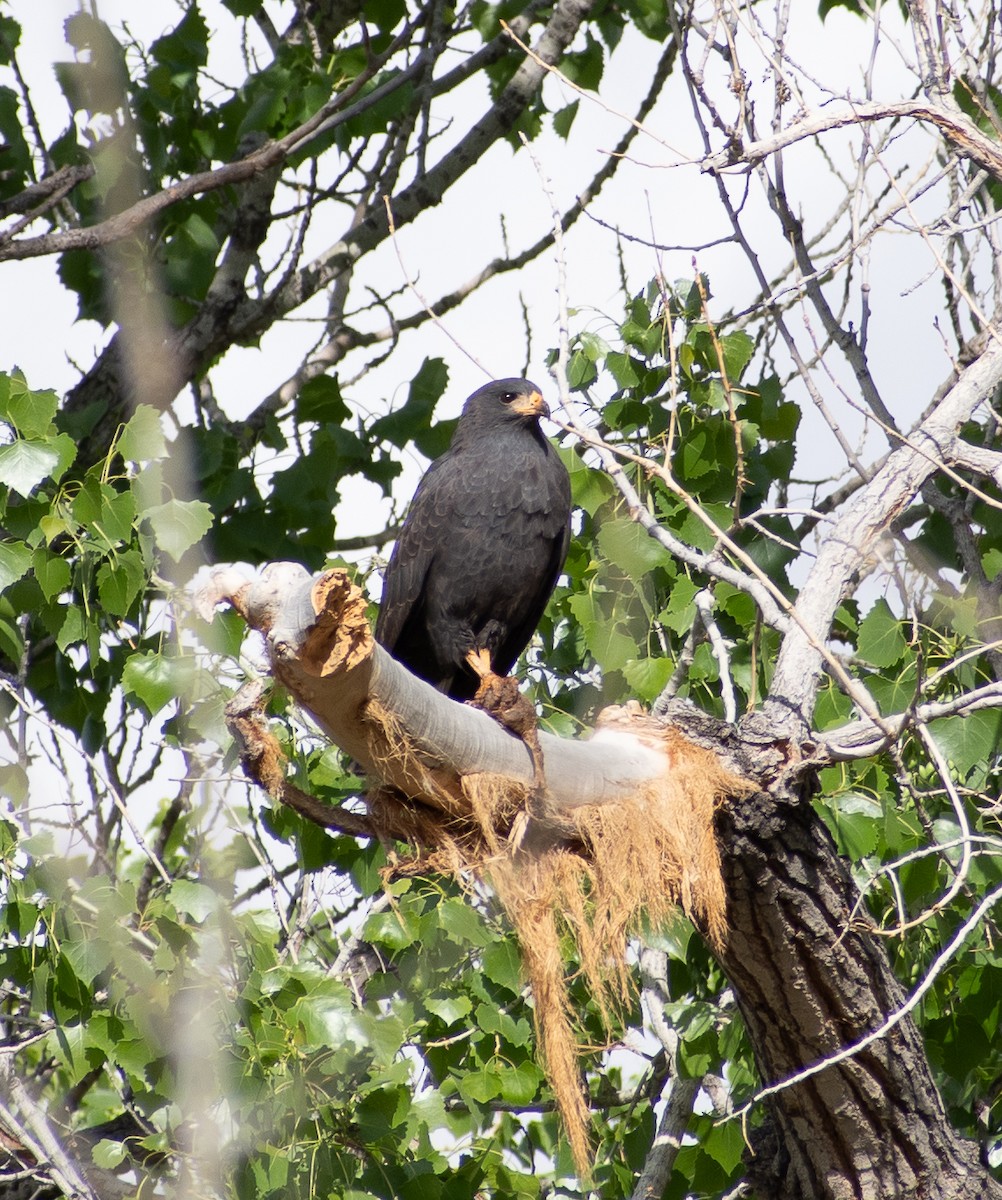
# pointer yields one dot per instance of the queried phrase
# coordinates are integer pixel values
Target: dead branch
(851, 538)
(323, 653)
(962, 134)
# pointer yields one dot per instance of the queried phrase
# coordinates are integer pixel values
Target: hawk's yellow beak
(532, 405)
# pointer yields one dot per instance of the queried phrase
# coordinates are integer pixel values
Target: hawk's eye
(508, 397)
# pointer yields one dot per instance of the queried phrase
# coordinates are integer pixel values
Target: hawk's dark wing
(428, 525)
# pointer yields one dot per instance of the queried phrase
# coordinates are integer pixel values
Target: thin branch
(677, 1115)
(860, 739)
(704, 606)
(851, 538)
(134, 218)
(425, 304)
(37, 1135)
(962, 134)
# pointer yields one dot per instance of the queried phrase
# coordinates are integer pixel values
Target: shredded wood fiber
(603, 872)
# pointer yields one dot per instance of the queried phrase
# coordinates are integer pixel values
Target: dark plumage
(482, 545)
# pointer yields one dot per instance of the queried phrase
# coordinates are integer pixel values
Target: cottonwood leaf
(108, 1154)
(24, 464)
(967, 742)
(51, 571)
(142, 438)
(737, 348)
(449, 1008)
(150, 679)
(629, 546)
(519, 1084)
(15, 559)
(120, 582)
(881, 642)
(178, 525)
(647, 677)
(73, 628)
(31, 413)
(503, 966)
(194, 899)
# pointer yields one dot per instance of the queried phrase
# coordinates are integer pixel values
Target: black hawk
(482, 544)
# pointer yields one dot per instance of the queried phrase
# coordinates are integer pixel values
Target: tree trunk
(810, 977)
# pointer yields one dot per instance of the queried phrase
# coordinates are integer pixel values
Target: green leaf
(725, 1143)
(494, 1020)
(622, 369)
(628, 545)
(106, 513)
(142, 438)
(584, 67)
(31, 413)
(738, 348)
(396, 929)
(857, 819)
(518, 1085)
(449, 1008)
(594, 347)
(73, 628)
(109, 1154)
(149, 678)
(881, 642)
(564, 119)
(119, 582)
(15, 562)
(611, 647)
(412, 419)
(480, 1086)
(590, 488)
(320, 400)
(178, 525)
(194, 899)
(647, 677)
(991, 563)
(580, 371)
(679, 613)
(970, 741)
(697, 533)
(24, 464)
(462, 923)
(14, 783)
(327, 1018)
(503, 966)
(16, 153)
(51, 571)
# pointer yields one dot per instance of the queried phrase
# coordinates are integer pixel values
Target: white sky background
(658, 193)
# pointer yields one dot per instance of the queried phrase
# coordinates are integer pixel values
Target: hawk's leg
(498, 695)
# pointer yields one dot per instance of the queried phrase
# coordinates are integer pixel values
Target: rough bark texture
(810, 980)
